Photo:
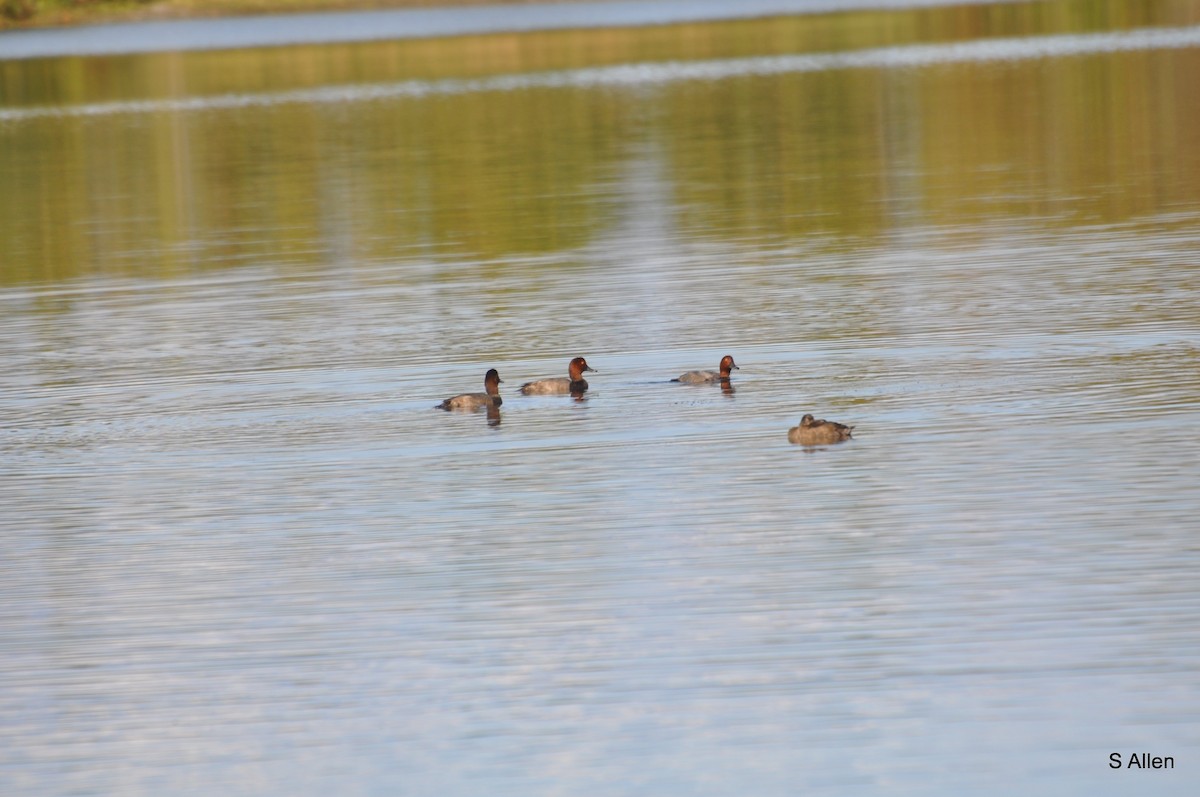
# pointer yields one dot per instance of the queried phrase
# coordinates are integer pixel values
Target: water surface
(275, 30)
(241, 552)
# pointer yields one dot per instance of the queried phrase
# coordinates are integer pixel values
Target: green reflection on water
(832, 154)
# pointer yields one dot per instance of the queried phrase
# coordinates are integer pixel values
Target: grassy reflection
(835, 153)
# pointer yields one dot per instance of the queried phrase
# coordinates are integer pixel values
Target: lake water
(241, 553)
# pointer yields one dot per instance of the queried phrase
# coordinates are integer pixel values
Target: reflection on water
(240, 551)
(656, 74)
(861, 128)
(399, 23)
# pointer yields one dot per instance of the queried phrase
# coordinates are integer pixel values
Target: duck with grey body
(703, 377)
(573, 384)
(489, 399)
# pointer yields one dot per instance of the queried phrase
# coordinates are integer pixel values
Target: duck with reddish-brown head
(573, 384)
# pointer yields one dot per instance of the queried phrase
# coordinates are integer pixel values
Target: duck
(489, 399)
(812, 432)
(700, 377)
(560, 385)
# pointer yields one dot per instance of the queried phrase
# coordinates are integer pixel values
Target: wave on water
(656, 74)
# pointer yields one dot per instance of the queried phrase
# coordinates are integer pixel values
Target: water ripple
(656, 74)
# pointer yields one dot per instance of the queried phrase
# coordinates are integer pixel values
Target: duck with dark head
(489, 399)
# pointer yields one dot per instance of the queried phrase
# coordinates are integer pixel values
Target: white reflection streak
(650, 74)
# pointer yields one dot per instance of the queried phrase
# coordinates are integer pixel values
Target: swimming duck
(699, 377)
(474, 401)
(561, 385)
(812, 432)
